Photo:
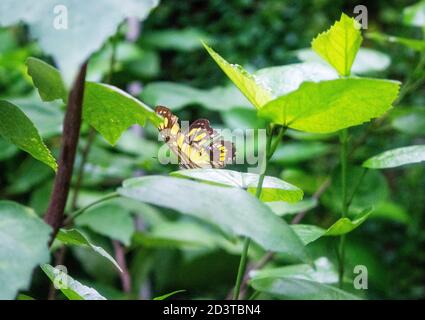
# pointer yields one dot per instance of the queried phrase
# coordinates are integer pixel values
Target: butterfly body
(198, 146)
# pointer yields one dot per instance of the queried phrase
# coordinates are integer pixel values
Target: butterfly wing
(198, 146)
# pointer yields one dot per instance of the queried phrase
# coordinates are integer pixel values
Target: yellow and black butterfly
(198, 147)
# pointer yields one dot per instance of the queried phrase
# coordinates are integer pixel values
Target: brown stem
(71, 132)
(125, 274)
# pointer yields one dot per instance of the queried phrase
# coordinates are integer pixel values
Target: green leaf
(310, 233)
(47, 80)
(110, 220)
(396, 157)
(233, 210)
(414, 44)
(345, 225)
(300, 282)
(81, 30)
(72, 289)
(24, 245)
(17, 128)
(177, 96)
(111, 110)
(284, 208)
(322, 272)
(366, 61)
(273, 189)
(254, 91)
(414, 15)
(391, 211)
(24, 297)
(339, 45)
(332, 105)
(76, 238)
(165, 296)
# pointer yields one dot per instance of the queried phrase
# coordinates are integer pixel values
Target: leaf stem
(344, 205)
(268, 154)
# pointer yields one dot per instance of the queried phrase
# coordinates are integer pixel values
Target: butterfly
(199, 146)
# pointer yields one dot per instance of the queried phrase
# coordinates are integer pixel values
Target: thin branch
(71, 132)
(125, 274)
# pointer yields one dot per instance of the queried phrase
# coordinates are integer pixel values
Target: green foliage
(84, 36)
(396, 157)
(273, 189)
(332, 105)
(231, 209)
(18, 129)
(301, 282)
(24, 240)
(111, 111)
(339, 45)
(72, 289)
(246, 83)
(76, 238)
(47, 80)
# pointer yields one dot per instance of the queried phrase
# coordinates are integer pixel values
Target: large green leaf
(255, 92)
(339, 45)
(231, 209)
(47, 80)
(332, 105)
(76, 238)
(110, 220)
(300, 282)
(396, 157)
(24, 245)
(177, 96)
(366, 61)
(274, 189)
(414, 44)
(414, 15)
(17, 128)
(111, 110)
(81, 31)
(72, 289)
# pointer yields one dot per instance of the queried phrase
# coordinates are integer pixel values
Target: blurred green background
(166, 64)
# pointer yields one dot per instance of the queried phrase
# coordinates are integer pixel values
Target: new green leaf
(255, 92)
(75, 237)
(332, 105)
(339, 45)
(233, 210)
(24, 245)
(72, 289)
(396, 157)
(111, 110)
(17, 128)
(274, 189)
